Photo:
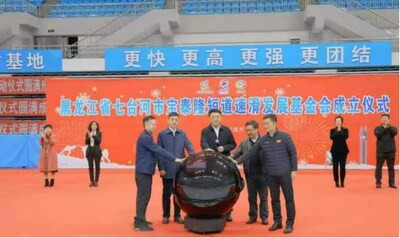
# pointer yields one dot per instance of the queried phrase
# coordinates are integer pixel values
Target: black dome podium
(206, 187)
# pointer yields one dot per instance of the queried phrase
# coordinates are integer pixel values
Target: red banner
(305, 106)
(22, 107)
(21, 126)
(22, 85)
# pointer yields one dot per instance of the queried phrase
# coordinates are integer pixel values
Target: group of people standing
(270, 162)
(385, 150)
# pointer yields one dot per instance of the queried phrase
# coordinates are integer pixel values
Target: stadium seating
(229, 7)
(20, 6)
(253, 6)
(111, 8)
(372, 4)
(102, 8)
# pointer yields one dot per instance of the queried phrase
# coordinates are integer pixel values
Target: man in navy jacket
(146, 151)
(175, 141)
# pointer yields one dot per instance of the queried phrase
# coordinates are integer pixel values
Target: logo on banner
(241, 87)
(205, 88)
(223, 87)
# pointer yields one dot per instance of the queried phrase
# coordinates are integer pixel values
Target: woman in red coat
(48, 156)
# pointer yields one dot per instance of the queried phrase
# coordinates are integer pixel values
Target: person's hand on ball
(163, 173)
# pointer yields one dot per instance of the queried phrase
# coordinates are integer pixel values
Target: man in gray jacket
(255, 180)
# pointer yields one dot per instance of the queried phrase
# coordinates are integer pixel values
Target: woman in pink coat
(48, 156)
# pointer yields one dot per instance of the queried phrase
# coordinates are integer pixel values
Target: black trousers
(168, 186)
(143, 194)
(257, 186)
(339, 160)
(94, 161)
(275, 184)
(380, 160)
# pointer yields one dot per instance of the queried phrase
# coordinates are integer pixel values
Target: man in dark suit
(279, 163)
(385, 150)
(146, 151)
(218, 138)
(255, 180)
(175, 141)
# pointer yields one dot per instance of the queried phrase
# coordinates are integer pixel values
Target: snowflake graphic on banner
(155, 93)
(84, 97)
(313, 143)
(279, 92)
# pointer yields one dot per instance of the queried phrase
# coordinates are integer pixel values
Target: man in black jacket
(279, 163)
(218, 138)
(385, 150)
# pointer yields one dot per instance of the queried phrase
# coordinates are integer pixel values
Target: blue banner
(324, 55)
(30, 61)
(19, 151)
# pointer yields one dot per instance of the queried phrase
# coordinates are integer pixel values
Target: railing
(89, 41)
(364, 13)
(90, 10)
(96, 51)
(18, 6)
(71, 51)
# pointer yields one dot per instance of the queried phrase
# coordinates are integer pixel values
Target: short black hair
(214, 111)
(252, 123)
(339, 117)
(385, 115)
(47, 125)
(173, 114)
(272, 117)
(148, 118)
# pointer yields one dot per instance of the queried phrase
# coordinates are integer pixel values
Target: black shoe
(337, 184)
(51, 183)
(91, 184)
(275, 226)
(178, 220)
(392, 186)
(229, 217)
(143, 228)
(288, 229)
(265, 222)
(165, 220)
(378, 186)
(96, 184)
(46, 182)
(251, 221)
(342, 185)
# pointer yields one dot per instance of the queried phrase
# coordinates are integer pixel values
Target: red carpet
(71, 208)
